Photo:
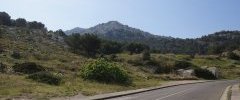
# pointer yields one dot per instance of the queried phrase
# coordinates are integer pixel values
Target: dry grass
(53, 56)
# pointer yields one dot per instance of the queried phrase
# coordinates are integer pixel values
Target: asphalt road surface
(200, 91)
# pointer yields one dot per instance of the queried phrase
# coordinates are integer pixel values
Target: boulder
(186, 73)
(214, 71)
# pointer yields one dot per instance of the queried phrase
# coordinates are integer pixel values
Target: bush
(163, 69)
(204, 73)
(35, 25)
(135, 62)
(1, 49)
(46, 77)
(21, 22)
(136, 48)
(234, 56)
(110, 47)
(5, 19)
(3, 68)
(16, 55)
(114, 57)
(182, 64)
(28, 68)
(87, 44)
(146, 55)
(104, 71)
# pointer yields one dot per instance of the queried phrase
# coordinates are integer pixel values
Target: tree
(74, 42)
(215, 49)
(136, 48)
(35, 25)
(60, 33)
(13, 22)
(21, 22)
(5, 19)
(110, 47)
(91, 44)
(87, 43)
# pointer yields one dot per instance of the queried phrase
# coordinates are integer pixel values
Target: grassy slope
(35, 46)
(229, 69)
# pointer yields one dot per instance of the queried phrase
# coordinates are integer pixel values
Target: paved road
(200, 91)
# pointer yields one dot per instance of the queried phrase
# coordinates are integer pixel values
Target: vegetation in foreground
(103, 71)
(36, 63)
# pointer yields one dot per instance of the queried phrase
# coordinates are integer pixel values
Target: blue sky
(176, 18)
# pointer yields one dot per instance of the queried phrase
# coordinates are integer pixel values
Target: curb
(235, 92)
(130, 92)
(226, 94)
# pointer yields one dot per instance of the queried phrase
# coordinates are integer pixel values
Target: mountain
(213, 43)
(116, 31)
(113, 30)
(74, 30)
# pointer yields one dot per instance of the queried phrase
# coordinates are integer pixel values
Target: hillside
(44, 49)
(209, 44)
(75, 30)
(39, 64)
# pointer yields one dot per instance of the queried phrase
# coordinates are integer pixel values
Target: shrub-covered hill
(24, 51)
(38, 64)
(215, 43)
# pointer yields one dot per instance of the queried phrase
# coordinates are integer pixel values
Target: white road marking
(172, 94)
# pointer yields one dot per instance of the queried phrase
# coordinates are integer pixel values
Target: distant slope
(212, 44)
(74, 30)
(116, 31)
(113, 29)
(220, 41)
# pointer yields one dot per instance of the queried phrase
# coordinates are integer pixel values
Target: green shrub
(146, 55)
(151, 63)
(16, 55)
(44, 57)
(1, 49)
(3, 68)
(46, 77)
(1, 33)
(182, 64)
(234, 56)
(113, 57)
(136, 62)
(204, 73)
(28, 68)
(104, 71)
(163, 69)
